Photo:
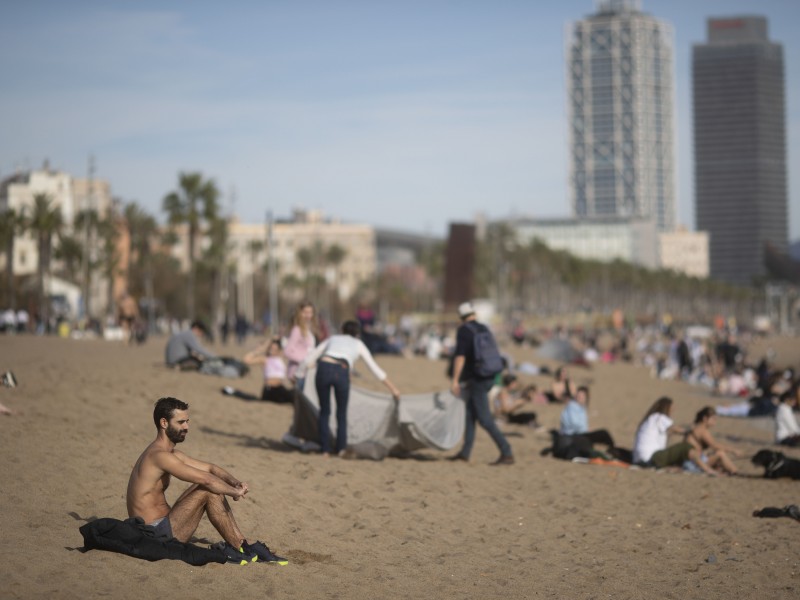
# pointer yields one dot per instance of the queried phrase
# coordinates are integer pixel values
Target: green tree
(109, 260)
(142, 234)
(334, 257)
(70, 253)
(46, 222)
(12, 224)
(85, 225)
(195, 202)
(215, 258)
(306, 258)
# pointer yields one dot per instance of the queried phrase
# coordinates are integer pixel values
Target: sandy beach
(401, 528)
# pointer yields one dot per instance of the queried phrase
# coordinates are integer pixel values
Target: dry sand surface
(411, 528)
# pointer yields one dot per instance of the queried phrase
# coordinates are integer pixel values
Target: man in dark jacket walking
(473, 384)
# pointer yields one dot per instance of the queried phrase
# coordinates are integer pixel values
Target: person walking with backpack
(477, 362)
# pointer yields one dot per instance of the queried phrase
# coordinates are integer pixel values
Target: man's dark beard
(176, 436)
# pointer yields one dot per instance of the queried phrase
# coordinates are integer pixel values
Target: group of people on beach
(211, 485)
(491, 398)
(699, 451)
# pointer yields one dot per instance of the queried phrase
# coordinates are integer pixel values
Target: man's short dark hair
(508, 379)
(351, 328)
(166, 407)
(201, 326)
(585, 390)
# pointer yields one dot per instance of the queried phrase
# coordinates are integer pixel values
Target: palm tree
(142, 229)
(306, 259)
(140, 225)
(334, 256)
(87, 221)
(70, 253)
(255, 247)
(12, 224)
(108, 230)
(45, 222)
(195, 202)
(215, 258)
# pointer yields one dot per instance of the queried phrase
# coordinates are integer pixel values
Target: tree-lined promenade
(529, 279)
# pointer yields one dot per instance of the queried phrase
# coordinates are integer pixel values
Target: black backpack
(488, 361)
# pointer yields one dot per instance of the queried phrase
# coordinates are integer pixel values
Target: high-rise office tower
(740, 146)
(620, 86)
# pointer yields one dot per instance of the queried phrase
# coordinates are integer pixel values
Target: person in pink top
(301, 339)
(270, 356)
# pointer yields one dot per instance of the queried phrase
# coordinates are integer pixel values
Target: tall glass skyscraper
(620, 86)
(740, 146)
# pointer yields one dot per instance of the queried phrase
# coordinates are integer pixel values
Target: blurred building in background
(620, 95)
(684, 252)
(69, 196)
(740, 146)
(632, 240)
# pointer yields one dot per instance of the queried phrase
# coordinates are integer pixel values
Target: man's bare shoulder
(156, 455)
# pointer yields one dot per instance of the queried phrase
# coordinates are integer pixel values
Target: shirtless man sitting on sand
(151, 476)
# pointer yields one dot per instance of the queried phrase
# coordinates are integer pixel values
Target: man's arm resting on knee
(171, 463)
(213, 469)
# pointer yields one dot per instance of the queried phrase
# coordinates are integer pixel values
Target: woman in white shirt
(787, 430)
(650, 447)
(335, 358)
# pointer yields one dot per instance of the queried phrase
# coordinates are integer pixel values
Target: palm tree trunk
(44, 315)
(190, 282)
(12, 297)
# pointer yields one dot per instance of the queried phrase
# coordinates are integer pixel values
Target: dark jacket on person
(133, 538)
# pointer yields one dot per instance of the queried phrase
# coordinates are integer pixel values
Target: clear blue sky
(407, 114)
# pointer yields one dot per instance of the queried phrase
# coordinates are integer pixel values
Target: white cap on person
(465, 309)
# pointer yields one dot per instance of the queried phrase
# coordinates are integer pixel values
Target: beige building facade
(310, 231)
(66, 193)
(685, 252)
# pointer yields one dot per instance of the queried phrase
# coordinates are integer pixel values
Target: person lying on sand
(151, 477)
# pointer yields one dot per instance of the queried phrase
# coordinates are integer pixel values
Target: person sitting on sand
(711, 452)
(575, 420)
(560, 389)
(509, 405)
(650, 447)
(787, 430)
(152, 473)
(184, 351)
(270, 356)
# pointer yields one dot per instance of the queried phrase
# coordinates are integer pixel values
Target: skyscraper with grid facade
(740, 146)
(620, 88)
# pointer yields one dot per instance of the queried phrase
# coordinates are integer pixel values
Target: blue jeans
(475, 393)
(336, 376)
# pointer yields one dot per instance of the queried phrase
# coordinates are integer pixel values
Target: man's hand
(242, 489)
(455, 388)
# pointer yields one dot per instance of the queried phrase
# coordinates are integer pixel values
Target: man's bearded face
(178, 427)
